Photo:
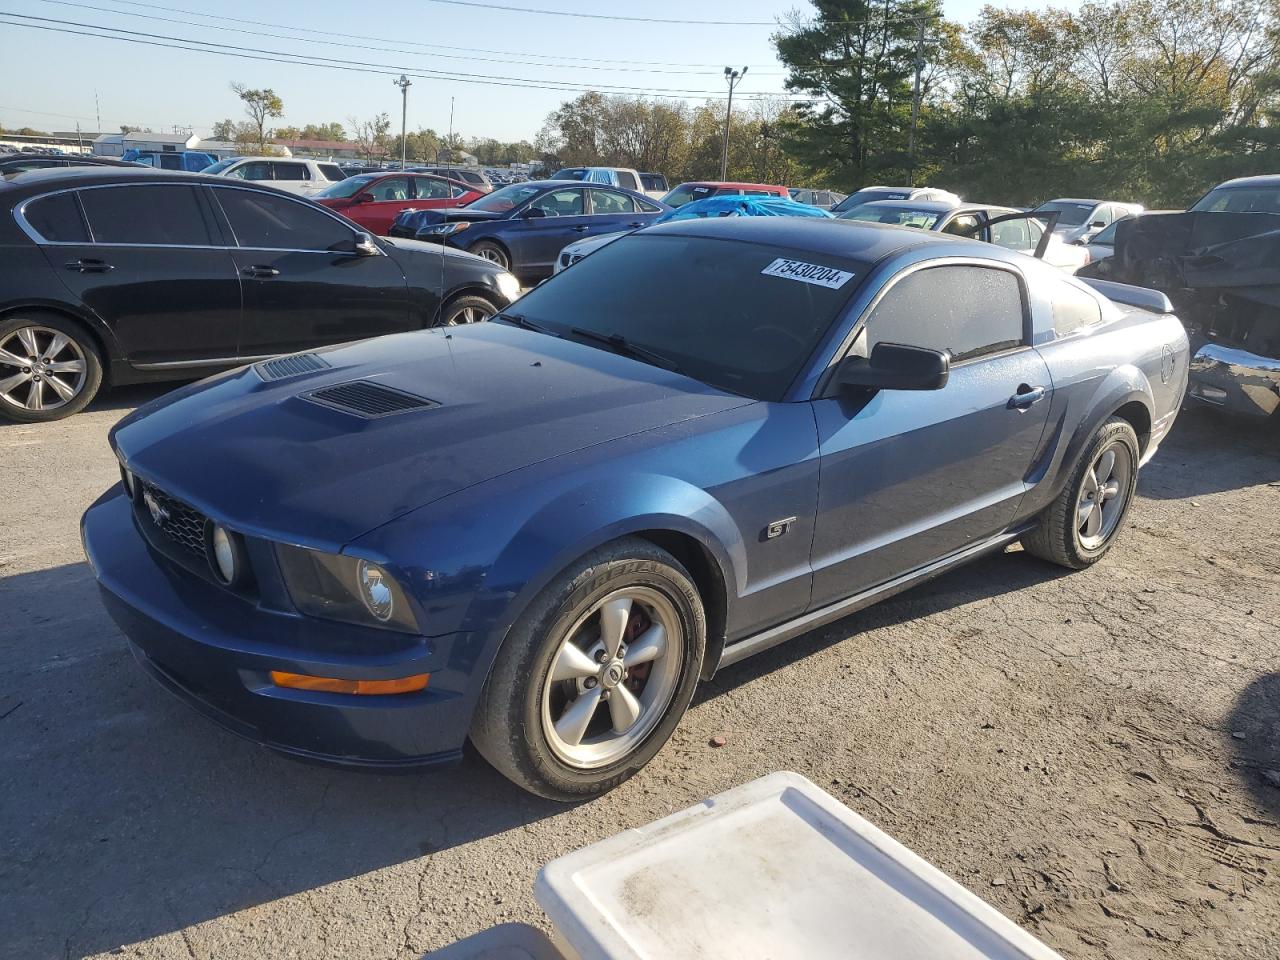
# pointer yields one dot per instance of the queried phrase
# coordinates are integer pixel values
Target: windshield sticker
(807, 273)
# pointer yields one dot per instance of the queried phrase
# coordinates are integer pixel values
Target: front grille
(364, 398)
(179, 523)
(290, 366)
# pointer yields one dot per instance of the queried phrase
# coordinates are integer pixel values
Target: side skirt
(767, 639)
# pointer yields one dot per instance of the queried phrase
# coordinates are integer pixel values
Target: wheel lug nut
(602, 656)
(590, 683)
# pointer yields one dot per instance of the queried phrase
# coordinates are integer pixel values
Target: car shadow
(1255, 741)
(1006, 572)
(1211, 452)
(127, 816)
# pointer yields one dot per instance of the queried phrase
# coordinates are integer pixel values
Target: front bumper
(1235, 380)
(215, 651)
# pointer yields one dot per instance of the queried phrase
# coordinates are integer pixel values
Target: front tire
(49, 368)
(493, 252)
(595, 676)
(466, 310)
(1079, 527)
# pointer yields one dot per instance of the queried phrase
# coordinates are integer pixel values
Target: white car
(294, 174)
(1081, 219)
(580, 248)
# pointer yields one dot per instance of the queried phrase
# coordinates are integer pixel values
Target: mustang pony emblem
(158, 513)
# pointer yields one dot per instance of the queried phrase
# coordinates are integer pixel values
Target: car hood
(268, 458)
(582, 247)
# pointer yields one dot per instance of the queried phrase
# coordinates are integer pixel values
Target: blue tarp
(737, 206)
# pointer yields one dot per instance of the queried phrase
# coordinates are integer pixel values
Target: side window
(332, 171)
(170, 161)
(757, 193)
(1073, 308)
(968, 311)
(1036, 229)
(1102, 215)
(561, 203)
(392, 188)
(644, 206)
(627, 181)
(263, 221)
(962, 226)
(291, 171)
(427, 189)
(257, 170)
(162, 215)
(606, 201)
(57, 219)
(1012, 234)
(456, 192)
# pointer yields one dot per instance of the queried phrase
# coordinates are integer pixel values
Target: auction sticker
(807, 273)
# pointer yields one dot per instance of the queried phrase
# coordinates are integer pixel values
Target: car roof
(53, 178)
(1264, 180)
(928, 206)
(847, 239)
(730, 183)
(1078, 200)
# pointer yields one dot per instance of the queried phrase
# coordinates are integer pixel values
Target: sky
(486, 65)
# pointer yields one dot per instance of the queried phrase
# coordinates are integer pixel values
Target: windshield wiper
(520, 320)
(621, 344)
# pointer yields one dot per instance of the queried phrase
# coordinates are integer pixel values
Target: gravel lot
(1089, 752)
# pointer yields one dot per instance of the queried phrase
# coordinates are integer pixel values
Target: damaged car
(1219, 263)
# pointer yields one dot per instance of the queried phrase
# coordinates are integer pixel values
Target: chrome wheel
(1103, 495)
(41, 369)
(470, 313)
(613, 677)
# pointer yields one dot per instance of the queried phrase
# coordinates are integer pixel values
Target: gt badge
(778, 528)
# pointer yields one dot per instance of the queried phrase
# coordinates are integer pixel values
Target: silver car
(1082, 219)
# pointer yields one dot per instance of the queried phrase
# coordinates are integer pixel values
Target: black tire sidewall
(93, 364)
(515, 741)
(505, 263)
(1111, 431)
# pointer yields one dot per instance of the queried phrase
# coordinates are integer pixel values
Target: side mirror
(366, 246)
(365, 198)
(895, 366)
(533, 213)
(1097, 224)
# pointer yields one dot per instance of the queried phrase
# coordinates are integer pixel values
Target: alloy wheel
(1103, 495)
(40, 368)
(613, 677)
(468, 314)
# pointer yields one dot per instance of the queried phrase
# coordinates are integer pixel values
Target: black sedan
(11, 163)
(120, 276)
(523, 227)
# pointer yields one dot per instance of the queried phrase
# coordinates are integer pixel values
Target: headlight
(130, 482)
(337, 587)
(508, 286)
(444, 229)
(226, 555)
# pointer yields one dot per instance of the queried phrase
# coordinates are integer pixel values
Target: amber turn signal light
(300, 681)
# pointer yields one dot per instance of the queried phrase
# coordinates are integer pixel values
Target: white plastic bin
(776, 868)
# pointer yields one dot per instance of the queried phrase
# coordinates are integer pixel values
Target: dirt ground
(1090, 752)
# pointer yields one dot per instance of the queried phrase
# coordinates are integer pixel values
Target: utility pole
(79, 139)
(449, 143)
(404, 83)
(732, 77)
(915, 104)
(97, 109)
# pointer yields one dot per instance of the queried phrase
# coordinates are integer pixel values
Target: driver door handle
(581, 229)
(1025, 397)
(261, 272)
(89, 266)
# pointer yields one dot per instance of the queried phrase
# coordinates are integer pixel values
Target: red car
(374, 199)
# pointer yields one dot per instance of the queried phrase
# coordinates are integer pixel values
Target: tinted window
(1259, 199)
(687, 192)
(265, 221)
(291, 171)
(715, 312)
(57, 218)
(967, 311)
(1069, 214)
(348, 187)
(606, 201)
(257, 170)
(644, 206)
(1073, 308)
(161, 214)
(332, 171)
(561, 203)
(1107, 236)
(627, 181)
(898, 216)
(571, 173)
(170, 161)
(962, 226)
(500, 201)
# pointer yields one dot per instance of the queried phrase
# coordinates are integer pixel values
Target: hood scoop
(293, 365)
(367, 399)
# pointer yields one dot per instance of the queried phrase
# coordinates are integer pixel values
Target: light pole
(732, 77)
(404, 83)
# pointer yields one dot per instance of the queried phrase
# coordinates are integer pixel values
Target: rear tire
(492, 252)
(50, 367)
(1079, 527)
(565, 716)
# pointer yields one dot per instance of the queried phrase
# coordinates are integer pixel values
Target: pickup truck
(623, 177)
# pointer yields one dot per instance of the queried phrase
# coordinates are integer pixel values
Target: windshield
(687, 192)
(348, 187)
(859, 197)
(1069, 214)
(504, 199)
(571, 173)
(219, 166)
(899, 216)
(1108, 235)
(1240, 200)
(742, 317)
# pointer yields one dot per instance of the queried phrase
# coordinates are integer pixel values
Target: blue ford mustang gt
(540, 532)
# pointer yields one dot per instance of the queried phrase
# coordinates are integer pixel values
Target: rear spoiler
(1132, 296)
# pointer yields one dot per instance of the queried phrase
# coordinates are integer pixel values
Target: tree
(224, 130)
(261, 106)
(371, 135)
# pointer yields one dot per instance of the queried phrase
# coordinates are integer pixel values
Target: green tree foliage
(261, 106)
(371, 135)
